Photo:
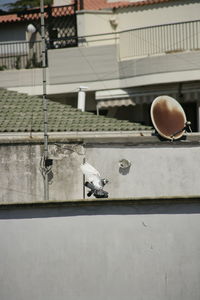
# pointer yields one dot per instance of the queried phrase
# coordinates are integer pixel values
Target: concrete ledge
(94, 201)
(131, 137)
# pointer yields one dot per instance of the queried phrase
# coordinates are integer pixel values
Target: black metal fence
(60, 24)
(60, 32)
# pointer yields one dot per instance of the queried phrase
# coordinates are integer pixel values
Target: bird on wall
(94, 181)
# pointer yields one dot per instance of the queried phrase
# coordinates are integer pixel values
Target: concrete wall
(83, 65)
(160, 66)
(29, 81)
(90, 24)
(109, 251)
(155, 171)
(98, 69)
(158, 169)
(21, 178)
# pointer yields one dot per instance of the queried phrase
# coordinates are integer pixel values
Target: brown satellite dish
(168, 117)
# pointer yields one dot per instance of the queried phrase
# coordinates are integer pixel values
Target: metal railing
(20, 55)
(146, 41)
(154, 40)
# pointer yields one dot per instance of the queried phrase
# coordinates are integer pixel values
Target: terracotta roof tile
(9, 18)
(101, 4)
(56, 11)
(24, 113)
(138, 3)
(87, 5)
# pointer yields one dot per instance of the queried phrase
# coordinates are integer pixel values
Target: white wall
(109, 251)
(93, 23)
(156, 170)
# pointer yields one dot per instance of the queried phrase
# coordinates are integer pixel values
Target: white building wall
(157, 171)
(110, 251)
(96, 28)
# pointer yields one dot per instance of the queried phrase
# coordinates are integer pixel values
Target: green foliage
(24, 4)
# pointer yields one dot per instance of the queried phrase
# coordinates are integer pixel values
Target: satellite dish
(168, 117)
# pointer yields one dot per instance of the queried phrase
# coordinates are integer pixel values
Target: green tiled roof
(24, 113)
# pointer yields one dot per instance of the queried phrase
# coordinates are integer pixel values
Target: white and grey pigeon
(94, 181)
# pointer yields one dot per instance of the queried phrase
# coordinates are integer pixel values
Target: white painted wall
(109, 252)
(156, 171)
(93, 23)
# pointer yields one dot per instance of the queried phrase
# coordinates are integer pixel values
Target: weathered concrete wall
(158, 169)
(109, 252)
(21, 178)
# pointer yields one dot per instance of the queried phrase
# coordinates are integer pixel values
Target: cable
(46, 168)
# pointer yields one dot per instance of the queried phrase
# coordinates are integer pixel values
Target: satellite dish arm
(187, 126)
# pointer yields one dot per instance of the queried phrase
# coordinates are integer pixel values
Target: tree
(25, 4)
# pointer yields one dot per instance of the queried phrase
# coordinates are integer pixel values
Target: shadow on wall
(104, 207)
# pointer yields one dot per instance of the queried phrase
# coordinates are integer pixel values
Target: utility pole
(45, 104)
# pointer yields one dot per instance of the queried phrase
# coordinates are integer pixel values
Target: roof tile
(87, 5)
(23, 113)
(102, 4)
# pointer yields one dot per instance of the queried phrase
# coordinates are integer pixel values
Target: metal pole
(46, 183)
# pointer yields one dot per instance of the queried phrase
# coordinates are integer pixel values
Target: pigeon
(94, 181)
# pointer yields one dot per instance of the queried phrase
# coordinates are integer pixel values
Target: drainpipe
(81, 97)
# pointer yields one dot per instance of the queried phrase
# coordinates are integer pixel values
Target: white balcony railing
(20, 55)
(162, 39)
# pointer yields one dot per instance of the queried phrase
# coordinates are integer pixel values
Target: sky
(2, 2)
